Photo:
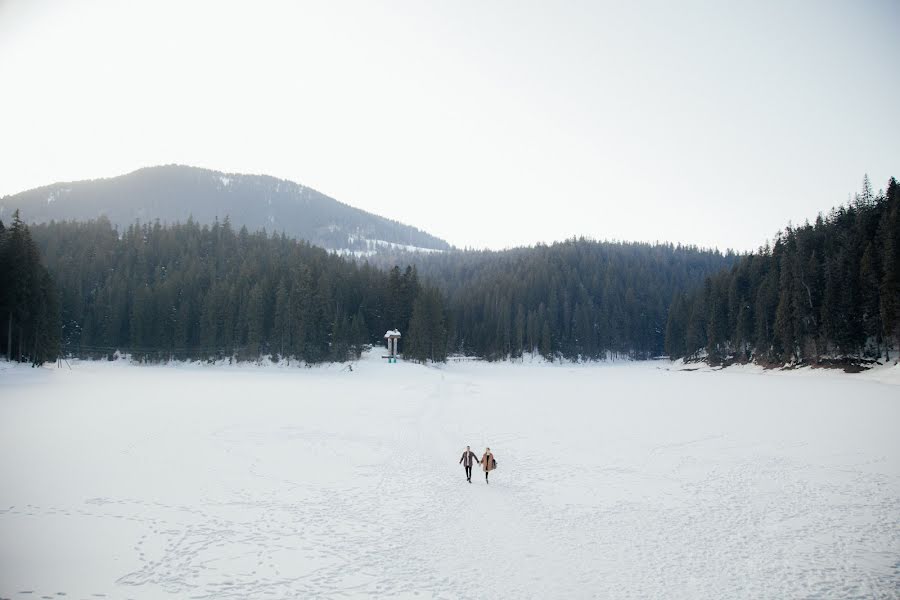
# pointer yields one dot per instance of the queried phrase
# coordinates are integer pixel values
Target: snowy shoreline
(888, 373)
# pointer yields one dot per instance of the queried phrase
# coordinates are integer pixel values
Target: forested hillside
(29, 312)
(577, 299)
(190, 291)
(175, 193)
(824, 291)
(828, 290)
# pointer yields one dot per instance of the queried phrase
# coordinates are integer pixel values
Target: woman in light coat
(488, 463)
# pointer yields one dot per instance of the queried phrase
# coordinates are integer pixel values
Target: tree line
(187, 291)
(29, 311)
(823, 291)
(580, 299)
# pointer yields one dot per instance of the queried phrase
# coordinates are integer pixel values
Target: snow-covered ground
(614, 481)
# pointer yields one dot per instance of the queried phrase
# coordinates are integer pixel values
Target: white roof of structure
(392, 333)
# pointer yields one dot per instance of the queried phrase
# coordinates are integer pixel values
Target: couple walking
(487, 462)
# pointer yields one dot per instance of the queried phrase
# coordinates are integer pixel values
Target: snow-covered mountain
(175, 193)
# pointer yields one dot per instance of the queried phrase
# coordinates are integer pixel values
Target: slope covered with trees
(577, 299)
(174, 193)
(29, 312)
(823, 291)
(197, 292)
(191, 291)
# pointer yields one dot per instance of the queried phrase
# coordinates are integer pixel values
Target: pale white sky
(488, 123)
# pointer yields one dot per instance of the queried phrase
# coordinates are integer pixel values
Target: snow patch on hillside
(56, 194)
(373, 247)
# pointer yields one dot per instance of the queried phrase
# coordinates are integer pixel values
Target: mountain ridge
(175, 193)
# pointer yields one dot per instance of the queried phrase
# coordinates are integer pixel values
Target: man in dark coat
(467, 460)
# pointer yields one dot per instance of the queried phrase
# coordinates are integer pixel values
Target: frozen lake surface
(618, 480)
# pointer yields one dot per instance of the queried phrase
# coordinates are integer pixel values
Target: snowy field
(614, 481)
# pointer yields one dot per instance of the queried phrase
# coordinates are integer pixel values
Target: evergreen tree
(823, 291)
(29, 310)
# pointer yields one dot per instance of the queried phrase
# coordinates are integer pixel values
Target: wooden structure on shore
(393, 344)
